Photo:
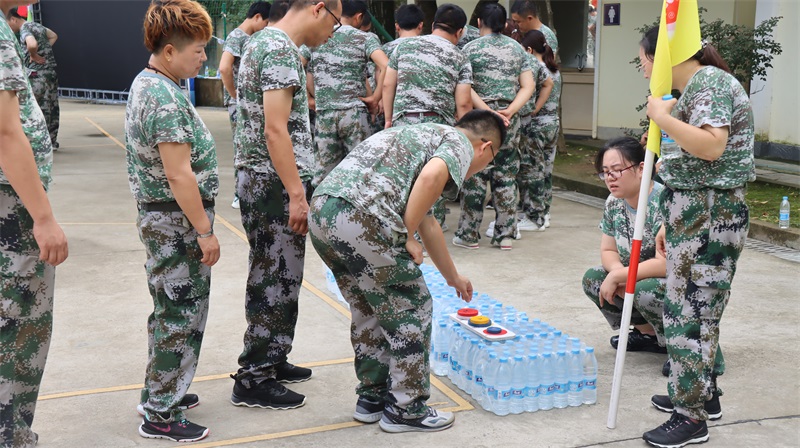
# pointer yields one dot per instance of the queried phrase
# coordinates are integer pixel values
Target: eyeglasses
(613, 174)
(491, 146)
(338, 22)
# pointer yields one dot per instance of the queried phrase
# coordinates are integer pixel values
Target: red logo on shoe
(167, 428)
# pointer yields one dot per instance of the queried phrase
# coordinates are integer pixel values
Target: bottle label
(784, 216)
(532, 392)
(575, 386)
(469, 375)
(453, 365)
(561, 388)
(551, 389)
(505, 395)
(443, 357)
(590, 383)
(491, 392)
(518, 393)
(479, 380)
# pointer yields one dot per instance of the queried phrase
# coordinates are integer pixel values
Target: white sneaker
(490, 232)
(529, 226)
(505, 244)
(461, 243)
(546, 221)
(235, 203)
(392, 420)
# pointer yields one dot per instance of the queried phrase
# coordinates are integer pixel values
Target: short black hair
(629, 148)
(14, 13)
(484, 123)
(408, 17)
(259, 8)
(493, 16)
(449, 18)
(525, 8)
(278, 10)
(352, 7)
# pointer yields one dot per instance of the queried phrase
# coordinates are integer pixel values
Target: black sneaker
(268, 394)
(286, 372)
(712, 406)
(178, 431)
(189, 401)
(639, 342)
(676, 432)
(392, 420)
(368, 411)
(665, 368)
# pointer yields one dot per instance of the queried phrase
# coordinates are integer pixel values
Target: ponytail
(535, 40)
(493, 16)
(707, 55)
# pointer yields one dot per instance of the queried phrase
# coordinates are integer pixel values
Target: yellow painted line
(79, 146)
(114, 139)
(327, 299)
(102, 390)
(231, 227)
(461, 403)
(279, 435)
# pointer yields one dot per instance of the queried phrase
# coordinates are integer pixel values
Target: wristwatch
(206, 235)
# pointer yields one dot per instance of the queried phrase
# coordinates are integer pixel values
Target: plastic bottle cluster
(541, 368)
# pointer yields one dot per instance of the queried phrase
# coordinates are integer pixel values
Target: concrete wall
(620, 86)
(775, 101)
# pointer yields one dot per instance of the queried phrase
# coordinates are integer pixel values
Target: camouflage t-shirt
(338, 68)
(550, 37)
(390, 46)
(159, 112)
(428, 70)
(234, 45)
(548, 114)
(13, 78)
(539, 77)
(378, 174)
(271, 61)
(497, 62)
(619, 220)
(715, 98)
(45, 49)
(470, 33)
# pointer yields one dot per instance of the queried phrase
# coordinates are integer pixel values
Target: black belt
(171, 206)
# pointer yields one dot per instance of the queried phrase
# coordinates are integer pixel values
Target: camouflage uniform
(26, 284)
(159, 112)
(550, 37)
(470, 33)
(234, 44)
(428, 70)
(356, 226)
(706, 220)
(497, 63)
(342, 119)
(527, 146)
(388, 48)
(648, 301)
(43, 77)
(543, 133)
(271, 61)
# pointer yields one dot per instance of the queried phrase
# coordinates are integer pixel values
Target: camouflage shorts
(389, 301)
(26, 319)
(179, 285)
(705, 234)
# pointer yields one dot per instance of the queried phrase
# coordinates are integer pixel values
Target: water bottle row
(505, 378)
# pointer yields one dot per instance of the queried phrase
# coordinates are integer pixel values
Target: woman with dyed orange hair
(172, 170)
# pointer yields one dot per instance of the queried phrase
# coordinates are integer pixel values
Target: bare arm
(52, 37)
(176, 158)
(706, 142)
(312, 100)
(226, 73)
(381, 62)
(277, 108)
(463, 99)
(526, 89)
(19, 166)
(33, 50)
(389, 90)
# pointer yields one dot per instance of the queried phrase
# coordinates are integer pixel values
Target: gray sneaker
(394, 421)
(368, 411)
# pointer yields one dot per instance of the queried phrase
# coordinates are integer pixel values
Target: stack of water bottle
(541, 368)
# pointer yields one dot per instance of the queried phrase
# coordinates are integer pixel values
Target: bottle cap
(495, 331)
(479, 321)
(667, 97)
(589, 349)
(786, 198)
(503, 359)
(467, 312)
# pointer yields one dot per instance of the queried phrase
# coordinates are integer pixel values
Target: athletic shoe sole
(238, 401)
(395, 428)
(140, 408)
(148, 435)
(368, 418)
(466, 246)
(702, 439)
(711, 416)
(294, 381)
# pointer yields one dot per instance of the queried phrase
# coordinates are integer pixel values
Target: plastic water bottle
(504, 374)
(478, 371)
(455, 349)
(575, 374)
(441, 349)
(589, 377)
(547, 386)
(469, 364)
(490, 382)
(784, 215)
(562, 382)
(518, 390)
(532, 383)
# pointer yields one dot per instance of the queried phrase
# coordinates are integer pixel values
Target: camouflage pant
(233, 115)
(26, 321)
(337, 132)
(389, 302)
(45, 89)
(648, 301)
(439, 209)
(502, 179)
(277, 256)
(179, 285)
(535, 179)
(705, 234)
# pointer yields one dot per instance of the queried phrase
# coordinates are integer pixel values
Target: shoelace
(673, 422)
(183, 423)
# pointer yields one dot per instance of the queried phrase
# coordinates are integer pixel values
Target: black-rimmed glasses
(338, 22)
(491, 146)
(613, 174)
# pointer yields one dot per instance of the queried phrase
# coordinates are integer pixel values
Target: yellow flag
(678, 40)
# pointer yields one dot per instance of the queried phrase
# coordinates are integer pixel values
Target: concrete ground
(97, 359)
